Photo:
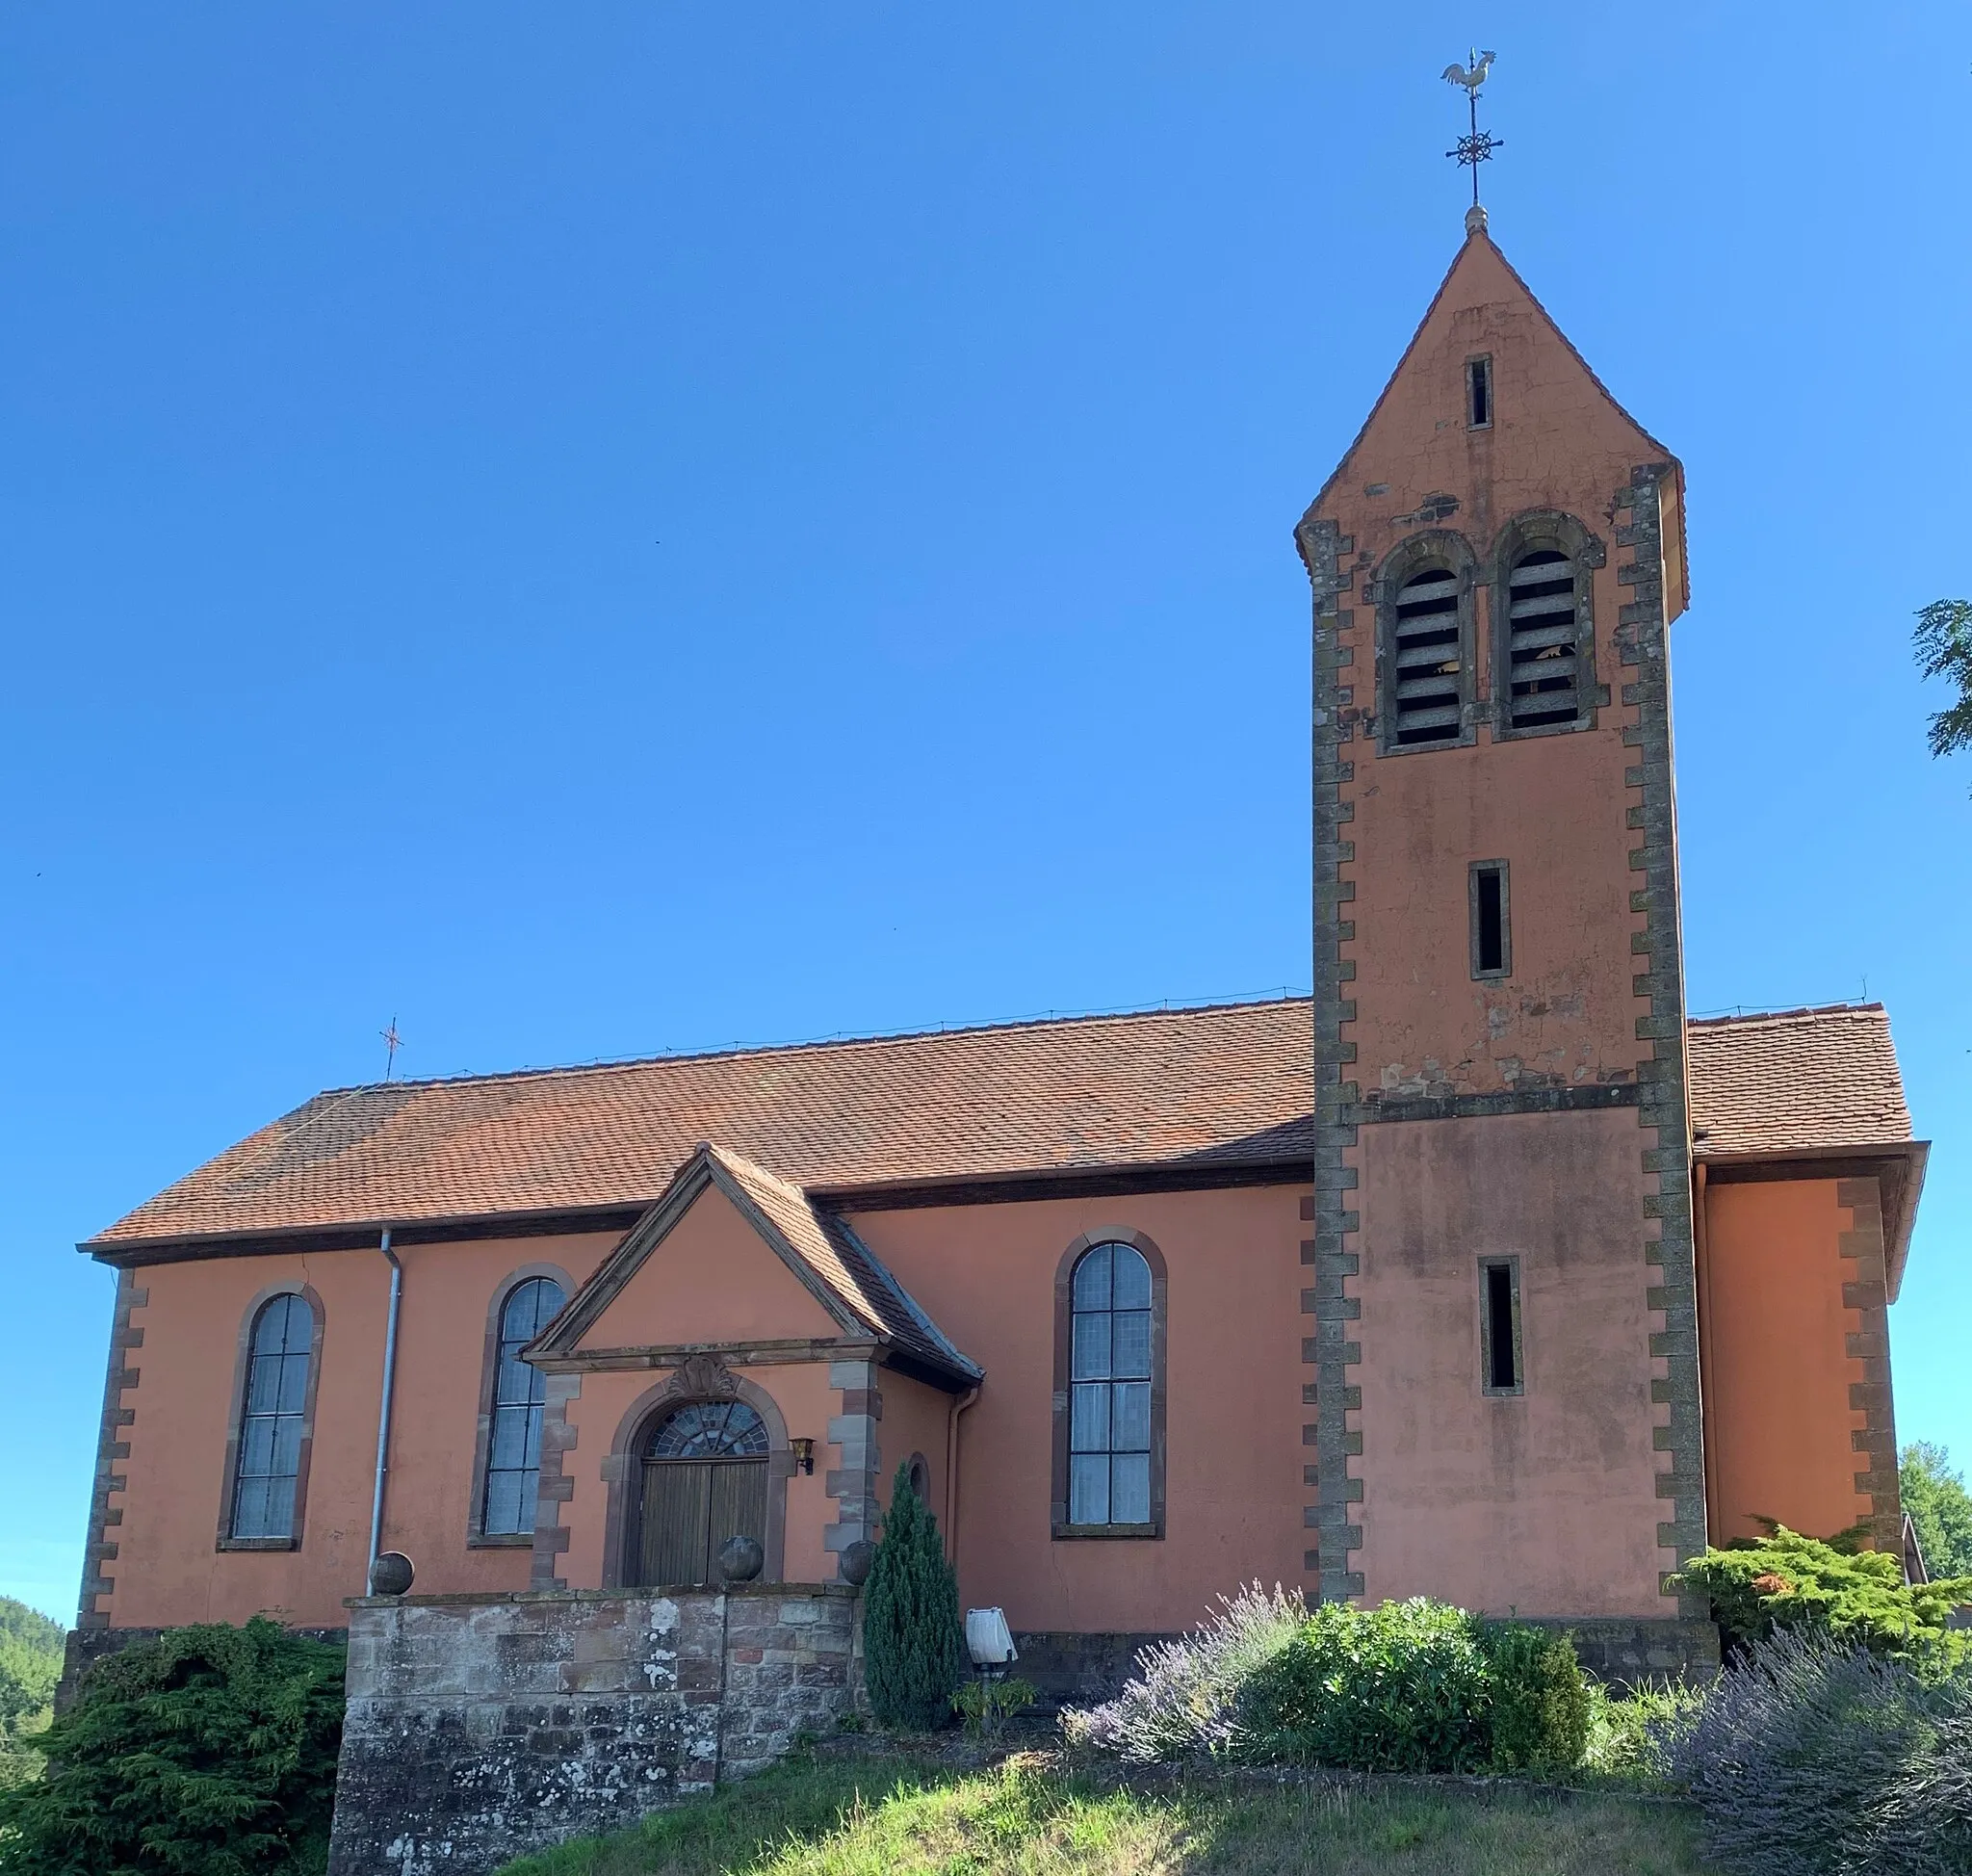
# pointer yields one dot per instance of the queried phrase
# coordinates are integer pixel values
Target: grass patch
(1029, 1817)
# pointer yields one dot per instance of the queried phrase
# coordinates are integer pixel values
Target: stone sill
(487, 1599)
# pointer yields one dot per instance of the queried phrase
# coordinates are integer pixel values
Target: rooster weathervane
(1477, 146)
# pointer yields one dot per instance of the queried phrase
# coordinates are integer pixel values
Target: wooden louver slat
(1543, 663)
(1427, 660)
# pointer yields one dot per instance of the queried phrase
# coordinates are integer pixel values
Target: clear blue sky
(608, 529)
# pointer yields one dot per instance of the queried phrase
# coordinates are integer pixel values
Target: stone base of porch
(483, 1727)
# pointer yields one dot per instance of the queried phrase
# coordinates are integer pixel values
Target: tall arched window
(1426, 671)
(1109, 1397)
(1542, 678)
(273, 1419)
(513, 1445)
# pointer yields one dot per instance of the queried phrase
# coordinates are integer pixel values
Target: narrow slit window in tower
(1500, 1313)
(1428, 658)
(1542, 655)
(1479, 394)
(1491, 933)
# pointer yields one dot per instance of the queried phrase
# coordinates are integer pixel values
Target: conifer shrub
(1537, 1716)
(914, 1642)
(1785, 1580)
(210, 1751)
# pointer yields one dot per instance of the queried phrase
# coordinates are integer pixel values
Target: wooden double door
(704, 1482)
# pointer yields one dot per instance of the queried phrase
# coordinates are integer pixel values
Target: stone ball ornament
(392, 1575)
(856, 1561)
(741, 1559)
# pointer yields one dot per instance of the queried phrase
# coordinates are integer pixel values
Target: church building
(1485, 1272)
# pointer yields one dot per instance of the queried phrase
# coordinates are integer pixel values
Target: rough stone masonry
(483, 1726)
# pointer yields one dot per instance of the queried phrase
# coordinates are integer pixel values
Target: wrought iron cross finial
(392, 1043)
(1477, 146)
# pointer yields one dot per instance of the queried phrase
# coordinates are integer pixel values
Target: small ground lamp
(990, 1641)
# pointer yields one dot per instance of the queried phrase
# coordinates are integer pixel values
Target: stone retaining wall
(483, 1727)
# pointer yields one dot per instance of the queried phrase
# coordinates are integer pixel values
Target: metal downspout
(951, 1476)
(396, 1293)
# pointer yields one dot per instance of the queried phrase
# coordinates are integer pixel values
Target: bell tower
(1503, 1356)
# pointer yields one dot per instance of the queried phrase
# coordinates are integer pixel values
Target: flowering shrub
(1816, 1756)
(1410, 1686)
(1185, 1693)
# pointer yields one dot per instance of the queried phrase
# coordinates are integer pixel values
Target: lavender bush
(1816, 1758)
(1186, 1692)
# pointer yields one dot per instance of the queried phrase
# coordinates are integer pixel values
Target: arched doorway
(704, 1480)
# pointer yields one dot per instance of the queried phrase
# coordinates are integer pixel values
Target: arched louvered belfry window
(1426, 634)
(1543, 635)
(273, 1423)
(1543, 675)
(514, 1442)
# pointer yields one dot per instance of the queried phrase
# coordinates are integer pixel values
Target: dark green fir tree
(914, 1644)
(208, 1752)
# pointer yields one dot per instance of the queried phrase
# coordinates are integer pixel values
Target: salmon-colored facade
(1483, 1273)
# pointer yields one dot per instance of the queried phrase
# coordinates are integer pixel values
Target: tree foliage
(1790, 1581)
(208, 1752)
(1944, 649)
(914, 1644)
(30, 1666)
(1939, 1506)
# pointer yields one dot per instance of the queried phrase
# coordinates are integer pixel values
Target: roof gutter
(1901, 1189)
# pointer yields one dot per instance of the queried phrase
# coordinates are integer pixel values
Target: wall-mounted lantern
(804, 1456)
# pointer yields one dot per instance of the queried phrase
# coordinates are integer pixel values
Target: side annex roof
(838, 1269)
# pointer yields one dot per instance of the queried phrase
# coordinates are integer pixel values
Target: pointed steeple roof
(1559, 439)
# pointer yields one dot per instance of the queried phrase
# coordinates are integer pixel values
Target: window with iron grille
(1543, 676)
(514, 1445)
(1425, 683)
(273, 1419)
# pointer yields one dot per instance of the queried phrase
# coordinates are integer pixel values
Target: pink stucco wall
(168, 1568)
(1543, 1501)
(1779, 1335)
(1233, 1423)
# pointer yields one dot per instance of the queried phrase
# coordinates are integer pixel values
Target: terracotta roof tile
(1225, 1086)
(1228, 1085)
(1796, 1079)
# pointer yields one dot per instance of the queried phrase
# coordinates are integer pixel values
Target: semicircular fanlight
(710, 1429)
